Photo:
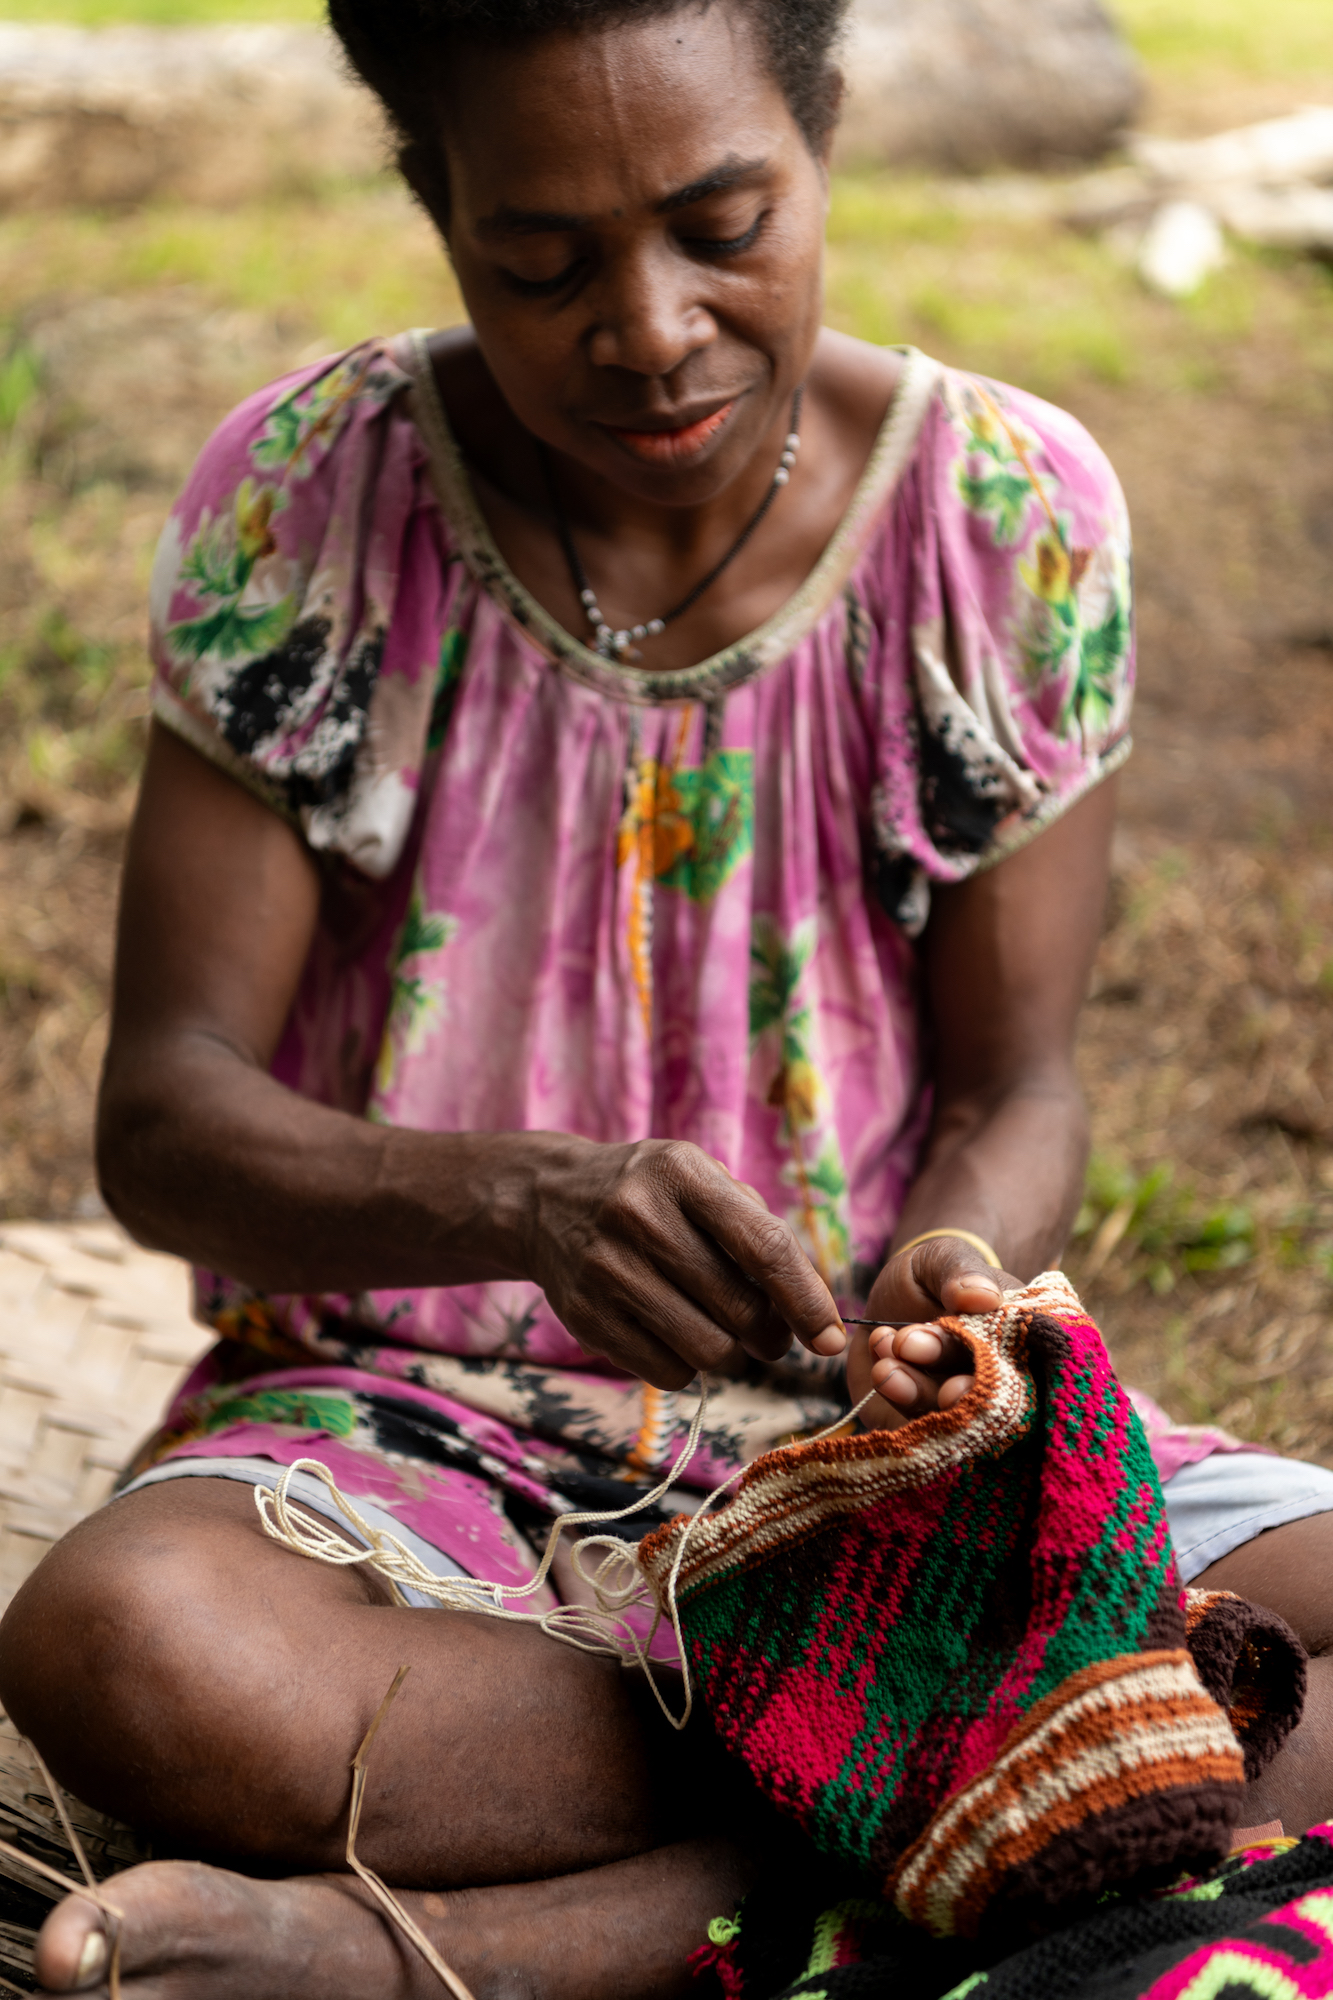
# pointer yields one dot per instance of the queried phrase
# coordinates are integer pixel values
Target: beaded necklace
(622, 645)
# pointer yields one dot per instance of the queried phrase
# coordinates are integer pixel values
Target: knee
(95, 1629)
(124, 1659)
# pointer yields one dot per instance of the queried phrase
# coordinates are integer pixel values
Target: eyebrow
(507, 221)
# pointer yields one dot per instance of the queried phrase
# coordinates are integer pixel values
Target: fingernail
(831, 1340)
(92, 1959)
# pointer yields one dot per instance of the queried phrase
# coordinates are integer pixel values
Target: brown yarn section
(1253, 1665)
(1153, 1840)
(1113, 1827)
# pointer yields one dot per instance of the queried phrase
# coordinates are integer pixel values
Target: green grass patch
(1281, 38)
(1019, 296)
(334, 268)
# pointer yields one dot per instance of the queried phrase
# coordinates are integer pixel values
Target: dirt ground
(1206, 1245)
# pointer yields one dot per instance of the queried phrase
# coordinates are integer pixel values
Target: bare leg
(181, 1671)
(1290, 1570)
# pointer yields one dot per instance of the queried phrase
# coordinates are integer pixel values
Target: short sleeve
(1012, 580)
(294, 630)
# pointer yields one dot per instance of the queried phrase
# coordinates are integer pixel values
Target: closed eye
(729, 246)
(543, 288)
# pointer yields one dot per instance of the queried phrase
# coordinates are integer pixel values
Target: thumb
(956, 1273)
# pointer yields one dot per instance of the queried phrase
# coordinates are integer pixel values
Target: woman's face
(637, 227)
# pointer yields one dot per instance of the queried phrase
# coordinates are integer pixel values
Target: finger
(765, 1248)
(660, 1337)
(693, 1264)
(976, 1292)
(926, 1347)
(913, 1283)
(905, 1387)
(954, 1390)
(647, 1224)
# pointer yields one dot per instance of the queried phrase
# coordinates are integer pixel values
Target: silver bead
(788, 459)
(604, 633)
(587, 597)
(781, 476)
(653, 627)
(639, 632)
(622, 640)
(793, 441)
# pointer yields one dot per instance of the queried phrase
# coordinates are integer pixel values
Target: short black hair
(397, 47)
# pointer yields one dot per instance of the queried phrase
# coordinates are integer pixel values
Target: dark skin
(544, 1825)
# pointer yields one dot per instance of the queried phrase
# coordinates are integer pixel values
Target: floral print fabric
(567, 894)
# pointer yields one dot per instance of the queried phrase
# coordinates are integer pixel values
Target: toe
(72, 1948)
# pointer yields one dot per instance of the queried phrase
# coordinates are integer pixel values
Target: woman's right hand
(653, 1256)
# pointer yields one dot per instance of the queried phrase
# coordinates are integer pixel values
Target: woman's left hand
(918, 1368)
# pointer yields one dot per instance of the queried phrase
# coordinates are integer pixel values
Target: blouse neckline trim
(746, 657)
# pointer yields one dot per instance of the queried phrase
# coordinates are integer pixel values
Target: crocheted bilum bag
(955, 1652)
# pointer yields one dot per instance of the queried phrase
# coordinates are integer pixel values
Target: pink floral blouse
(568, 894)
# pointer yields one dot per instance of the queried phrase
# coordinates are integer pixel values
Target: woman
(587, 748)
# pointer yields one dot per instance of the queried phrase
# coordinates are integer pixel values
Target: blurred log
(964, 85)
(215, 115)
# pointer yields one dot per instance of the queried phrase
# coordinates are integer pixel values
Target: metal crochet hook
(896, 1325)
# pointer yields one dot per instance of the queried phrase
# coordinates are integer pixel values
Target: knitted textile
(1258, 1927)
(1251, 1661)
(955, 1652)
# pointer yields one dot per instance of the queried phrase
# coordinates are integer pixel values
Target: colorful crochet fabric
(955, 1652)
(1259, 1926)
(1251, 1662)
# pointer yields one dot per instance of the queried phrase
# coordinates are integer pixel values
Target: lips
(672, 447)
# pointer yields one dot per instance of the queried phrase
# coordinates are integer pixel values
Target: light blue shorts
(1232, 1496)
(1211, 1508)
(315, 1495)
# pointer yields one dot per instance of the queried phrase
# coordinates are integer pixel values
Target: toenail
(92, 1959)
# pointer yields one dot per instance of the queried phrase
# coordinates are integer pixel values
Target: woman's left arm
(1007, 956)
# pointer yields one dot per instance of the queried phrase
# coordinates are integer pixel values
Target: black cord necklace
(623, 645)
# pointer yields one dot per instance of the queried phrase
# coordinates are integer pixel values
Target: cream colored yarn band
(964, 1235)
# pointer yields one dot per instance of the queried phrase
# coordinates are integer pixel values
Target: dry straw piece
(94, 1335)
(383, 1895)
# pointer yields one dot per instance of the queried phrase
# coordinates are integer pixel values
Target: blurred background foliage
(1205, 1241)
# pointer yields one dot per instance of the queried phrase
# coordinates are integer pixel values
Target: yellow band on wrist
(964, 1235)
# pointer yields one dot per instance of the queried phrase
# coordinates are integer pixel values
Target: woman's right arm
(649, 1253)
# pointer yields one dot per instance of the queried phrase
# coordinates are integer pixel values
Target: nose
(647, 314)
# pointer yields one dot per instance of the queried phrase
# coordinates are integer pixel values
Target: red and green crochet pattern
(955, 1652)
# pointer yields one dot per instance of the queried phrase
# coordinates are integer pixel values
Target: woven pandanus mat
(94, 1335)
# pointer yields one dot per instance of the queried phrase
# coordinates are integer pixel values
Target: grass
(1013, 295)
(1286, 38)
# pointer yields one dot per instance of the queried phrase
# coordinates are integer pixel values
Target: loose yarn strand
(591, 1630)
(600, 1629)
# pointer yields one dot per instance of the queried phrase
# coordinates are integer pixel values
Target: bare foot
(197, 1930)
(191, 1932)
